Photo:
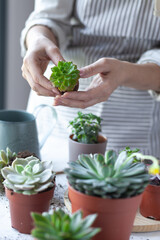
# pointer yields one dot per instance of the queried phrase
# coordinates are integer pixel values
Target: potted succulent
(149, 206)
(65, 77)
(61, 226)
(7, 157)
(29, 186)
(86, 137)
(110, 186)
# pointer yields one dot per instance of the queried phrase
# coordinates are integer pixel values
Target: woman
(120, 39)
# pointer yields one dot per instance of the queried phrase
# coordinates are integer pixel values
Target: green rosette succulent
(6, 157)
(61, 226)
(109, 176)
(86, 127)
(28, 175)
(65, 76)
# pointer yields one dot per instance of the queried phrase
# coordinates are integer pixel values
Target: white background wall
(17, 89)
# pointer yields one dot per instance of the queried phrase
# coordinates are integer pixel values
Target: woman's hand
(109, 75)
(42, 48)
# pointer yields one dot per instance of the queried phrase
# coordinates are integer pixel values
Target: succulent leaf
(65, 76)
(45, 176)
(32, 180)
(114, 176)
(61, 226)
(19, 168)
(2, 164)
(19, 161)
(37, 168)
(28, 176)
(5, 159)
(120, 159)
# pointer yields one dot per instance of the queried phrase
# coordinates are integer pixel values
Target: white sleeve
(151, 56)
(55, 14)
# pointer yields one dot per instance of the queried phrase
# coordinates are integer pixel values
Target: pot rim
(153, 185)
(153, 188)
(27, 195)
(98, 198)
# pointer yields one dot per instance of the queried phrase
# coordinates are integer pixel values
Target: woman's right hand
(41, 48)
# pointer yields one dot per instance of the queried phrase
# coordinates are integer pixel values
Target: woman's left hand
(109, 74)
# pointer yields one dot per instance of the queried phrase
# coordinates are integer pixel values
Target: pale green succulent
(28, 175)
(65, 76)
(5, 159)
(109, 176)
(61, 226)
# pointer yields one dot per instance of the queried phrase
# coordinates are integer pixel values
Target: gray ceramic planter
(76, 148)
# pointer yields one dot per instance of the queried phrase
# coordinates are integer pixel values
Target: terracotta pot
(76, 148)
(22, 205)
(115, 216)
(150, 204)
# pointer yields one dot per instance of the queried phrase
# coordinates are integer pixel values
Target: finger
(38, 77)
(96, 82)
(95, 93)
(100, 66)
(44, 83)
(80, 95)
(54, 54)
(36, 87)
(75, 103)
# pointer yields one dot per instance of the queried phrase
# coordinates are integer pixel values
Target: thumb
(99, 66)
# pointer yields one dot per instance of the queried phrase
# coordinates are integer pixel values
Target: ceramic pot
(76, 148)
(150, 204)
(115, 216)
(22, 205)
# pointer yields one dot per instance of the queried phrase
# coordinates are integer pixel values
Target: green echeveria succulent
(28, 175)
(5, 159)
(65, 76)
(86, 127)
(109, 176)
(61, 226)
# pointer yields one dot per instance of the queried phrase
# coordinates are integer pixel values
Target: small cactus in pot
(61, 226)
(110, 185)
(65, 76)
(29, 185)
(86, 135)
(149, 206)
(7, 157)
(28, 176)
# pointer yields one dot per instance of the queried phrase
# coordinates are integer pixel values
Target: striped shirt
(88, 30)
